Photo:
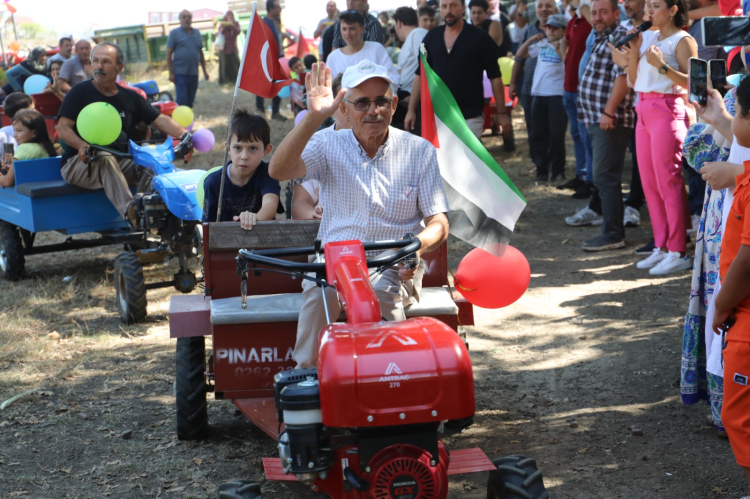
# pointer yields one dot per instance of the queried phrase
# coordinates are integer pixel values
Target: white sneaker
(657, 255)
(632, 217)
(696, 220)
(671, 263)
(585, 216)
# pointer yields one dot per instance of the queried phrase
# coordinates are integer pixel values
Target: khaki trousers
(392, 294)
(114, 175)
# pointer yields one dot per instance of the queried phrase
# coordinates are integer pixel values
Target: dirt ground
(592, 349)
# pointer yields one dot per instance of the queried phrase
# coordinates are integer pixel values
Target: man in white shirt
(411, 35)
(66, 49)
(376, 183)
(352, 25)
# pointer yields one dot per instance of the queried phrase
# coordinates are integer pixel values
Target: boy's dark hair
(351, 17)
(294, 61)
(270, 4)
(34, 121)
(406, 15)
(309, 61)
(484, 4)
(55, 62)
(249, 127)
(743, 96)
(426, 11)
(15, 102)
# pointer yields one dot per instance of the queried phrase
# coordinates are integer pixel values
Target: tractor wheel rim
(122, 293)
(3, 259)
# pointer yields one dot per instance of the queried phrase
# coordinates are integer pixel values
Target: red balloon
(488, 281)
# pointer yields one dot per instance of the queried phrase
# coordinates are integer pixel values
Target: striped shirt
(374, 32)
(376, 199)
(598, 80)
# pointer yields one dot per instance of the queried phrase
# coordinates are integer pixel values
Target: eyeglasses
(381, 103)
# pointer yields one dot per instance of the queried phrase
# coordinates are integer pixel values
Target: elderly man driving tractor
(377, 183)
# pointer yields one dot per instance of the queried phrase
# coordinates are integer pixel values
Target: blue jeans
(569, 101)
(185, 87)
(583, 132)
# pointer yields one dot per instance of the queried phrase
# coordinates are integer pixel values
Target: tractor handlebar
(404, 248)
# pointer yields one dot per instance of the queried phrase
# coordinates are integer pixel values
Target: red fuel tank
(393, 373)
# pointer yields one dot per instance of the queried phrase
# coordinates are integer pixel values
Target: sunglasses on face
(381, 103)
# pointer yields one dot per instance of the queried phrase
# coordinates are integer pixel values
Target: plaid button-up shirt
(375, 199)
(598, 81)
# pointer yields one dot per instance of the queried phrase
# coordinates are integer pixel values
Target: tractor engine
(365, 423)
(408, 472)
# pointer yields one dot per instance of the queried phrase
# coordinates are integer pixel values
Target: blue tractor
(169, 221)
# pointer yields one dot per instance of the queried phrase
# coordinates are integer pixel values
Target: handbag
(219, 42)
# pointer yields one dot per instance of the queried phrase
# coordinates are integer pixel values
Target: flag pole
(229, 124)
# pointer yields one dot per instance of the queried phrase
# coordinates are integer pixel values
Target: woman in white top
(657, 70)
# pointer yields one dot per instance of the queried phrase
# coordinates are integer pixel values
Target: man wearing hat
(376, 183)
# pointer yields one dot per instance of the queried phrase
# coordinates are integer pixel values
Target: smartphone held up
(698, 81)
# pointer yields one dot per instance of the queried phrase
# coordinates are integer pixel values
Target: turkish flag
(303, 48)
(262, 74)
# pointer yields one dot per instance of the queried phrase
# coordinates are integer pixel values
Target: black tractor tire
(516, 477)
(12, 261)
(190, 391)
(130, 288)
(240, 489)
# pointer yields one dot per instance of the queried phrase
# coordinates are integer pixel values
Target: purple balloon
(203, 140)
(300, 116)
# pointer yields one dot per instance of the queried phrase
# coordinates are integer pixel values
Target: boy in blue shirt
(250, 194)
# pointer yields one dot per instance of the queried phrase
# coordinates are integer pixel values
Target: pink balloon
(300, 116)
(203, 140)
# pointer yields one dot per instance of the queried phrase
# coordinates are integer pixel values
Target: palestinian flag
(485, 204)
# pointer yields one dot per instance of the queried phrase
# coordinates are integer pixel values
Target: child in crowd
(11, 105)
(250, 194)
(54, 72)
(427, 17)
(297, 88)
(547, 109)
(732, 305)
(30, 132)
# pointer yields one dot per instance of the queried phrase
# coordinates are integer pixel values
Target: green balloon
(99, 124)
(200, 193)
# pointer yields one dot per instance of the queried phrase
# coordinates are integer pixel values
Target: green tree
(31, 31)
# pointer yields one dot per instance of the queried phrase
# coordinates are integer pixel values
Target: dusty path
(592, 349)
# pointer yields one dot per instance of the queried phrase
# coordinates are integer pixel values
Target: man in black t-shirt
(112, 173)
(457, 52)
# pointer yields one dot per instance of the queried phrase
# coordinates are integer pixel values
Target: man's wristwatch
(663, 69)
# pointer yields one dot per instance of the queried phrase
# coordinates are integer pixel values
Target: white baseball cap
(363, 71)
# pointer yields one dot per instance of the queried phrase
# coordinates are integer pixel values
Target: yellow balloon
(506, 68)
(183, 115)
